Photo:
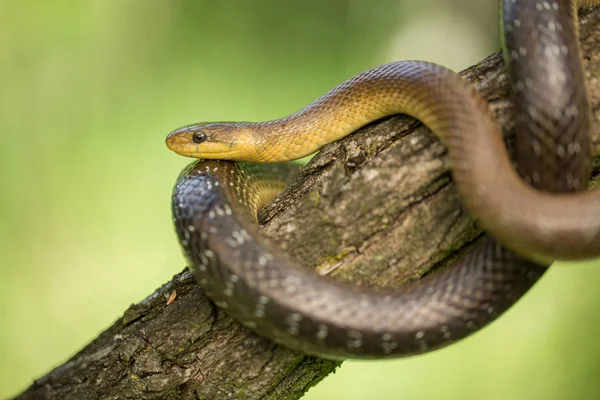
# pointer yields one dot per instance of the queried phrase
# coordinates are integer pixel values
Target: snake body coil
(215, 202)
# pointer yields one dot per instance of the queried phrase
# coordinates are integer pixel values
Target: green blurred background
(89, 90)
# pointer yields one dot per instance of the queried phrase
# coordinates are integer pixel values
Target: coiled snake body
(215, 202)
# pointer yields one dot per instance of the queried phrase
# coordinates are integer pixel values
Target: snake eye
(199, 137)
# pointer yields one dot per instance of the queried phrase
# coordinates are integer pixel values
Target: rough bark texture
(377, 208)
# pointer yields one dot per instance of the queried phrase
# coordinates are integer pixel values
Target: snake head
(212, 140)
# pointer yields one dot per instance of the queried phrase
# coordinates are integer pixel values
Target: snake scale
(215, 202)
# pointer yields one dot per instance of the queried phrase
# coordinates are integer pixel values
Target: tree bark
(377, 208)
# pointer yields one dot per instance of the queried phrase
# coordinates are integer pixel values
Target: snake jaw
(179, 139)
(208, 141)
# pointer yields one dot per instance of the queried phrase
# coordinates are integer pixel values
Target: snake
(533, 214)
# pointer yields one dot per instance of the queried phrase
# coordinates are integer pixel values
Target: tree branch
(377, 208)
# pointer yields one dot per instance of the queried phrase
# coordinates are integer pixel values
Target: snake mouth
(199, 141)
(182, 147)
(177, 139)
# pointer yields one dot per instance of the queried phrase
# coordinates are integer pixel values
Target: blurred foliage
(89, 91)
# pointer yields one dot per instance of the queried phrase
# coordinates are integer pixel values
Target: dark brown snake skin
(214, 201)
